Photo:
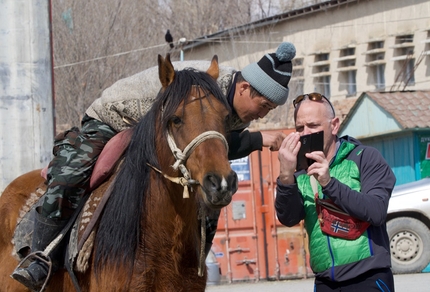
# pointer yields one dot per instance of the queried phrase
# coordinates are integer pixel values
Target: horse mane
(119, 232)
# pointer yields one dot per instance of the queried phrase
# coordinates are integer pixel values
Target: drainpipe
(227, 248)
(263, 216)
(275, 229)
(254, 224)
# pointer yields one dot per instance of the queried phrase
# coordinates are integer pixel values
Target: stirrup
(41, 256)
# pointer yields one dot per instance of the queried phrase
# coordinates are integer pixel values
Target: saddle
(83, 231)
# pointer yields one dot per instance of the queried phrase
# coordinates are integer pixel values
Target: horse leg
(18, 197)
(45, 230)
(7, 265)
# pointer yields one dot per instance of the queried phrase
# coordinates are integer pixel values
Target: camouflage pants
(75, 154)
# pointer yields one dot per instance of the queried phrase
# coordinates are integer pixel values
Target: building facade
(344, 48)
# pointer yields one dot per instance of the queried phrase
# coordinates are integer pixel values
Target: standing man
(252, 93)
(354, 177)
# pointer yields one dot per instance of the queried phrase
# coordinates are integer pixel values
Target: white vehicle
(408, 226)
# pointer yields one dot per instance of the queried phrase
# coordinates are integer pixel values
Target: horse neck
(172, 219)
(171, 213)
(171, 193)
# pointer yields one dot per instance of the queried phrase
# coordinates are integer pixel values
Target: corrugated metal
(398, 150)
(250, 243)
(26, 107)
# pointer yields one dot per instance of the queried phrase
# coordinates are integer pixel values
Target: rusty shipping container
(250, 243)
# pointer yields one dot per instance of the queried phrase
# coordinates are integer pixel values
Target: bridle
(181, 157)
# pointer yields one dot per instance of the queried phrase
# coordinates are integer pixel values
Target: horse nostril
(233, 182)
(215, 183)
(212, 182)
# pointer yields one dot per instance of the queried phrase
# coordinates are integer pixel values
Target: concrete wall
(26, 102)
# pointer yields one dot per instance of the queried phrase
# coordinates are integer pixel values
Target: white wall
(26, 103)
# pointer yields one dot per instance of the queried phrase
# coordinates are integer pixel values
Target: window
(322, 57)
(325, 85)
(348, 70)
(321, 73)
(379, 73)
(427, 44)
(297, 79)
(409, 76)
(375, 60)
(352, 82)
(405, 59)
(322, 82)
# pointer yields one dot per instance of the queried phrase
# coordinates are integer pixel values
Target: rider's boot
(45, 230)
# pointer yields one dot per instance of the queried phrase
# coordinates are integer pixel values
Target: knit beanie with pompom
(270, 76)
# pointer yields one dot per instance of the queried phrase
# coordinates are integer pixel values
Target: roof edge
(231, 32)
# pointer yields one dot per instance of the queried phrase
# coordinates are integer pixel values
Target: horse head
(196, 131)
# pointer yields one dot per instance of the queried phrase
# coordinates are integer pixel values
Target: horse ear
(166, 72)
(214, 68)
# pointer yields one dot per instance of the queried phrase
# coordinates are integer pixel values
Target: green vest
(326, 251)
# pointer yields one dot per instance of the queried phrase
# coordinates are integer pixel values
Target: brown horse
(175, 170)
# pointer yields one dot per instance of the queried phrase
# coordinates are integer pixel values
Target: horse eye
(176, 120)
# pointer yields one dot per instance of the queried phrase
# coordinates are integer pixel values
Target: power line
(228, 38)
(108, 56)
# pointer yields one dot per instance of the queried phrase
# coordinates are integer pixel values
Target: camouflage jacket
(132, 97)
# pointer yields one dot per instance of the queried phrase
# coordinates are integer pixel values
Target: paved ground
(403, 283)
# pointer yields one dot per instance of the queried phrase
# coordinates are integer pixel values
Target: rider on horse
(252, 93)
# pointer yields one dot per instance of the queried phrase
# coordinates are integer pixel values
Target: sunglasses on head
(314, 97)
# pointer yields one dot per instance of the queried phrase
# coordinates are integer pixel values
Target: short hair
(253, 91)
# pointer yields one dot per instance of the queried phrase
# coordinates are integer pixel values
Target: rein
(178, 180)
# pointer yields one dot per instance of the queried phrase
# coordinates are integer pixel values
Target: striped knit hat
(270, 76)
